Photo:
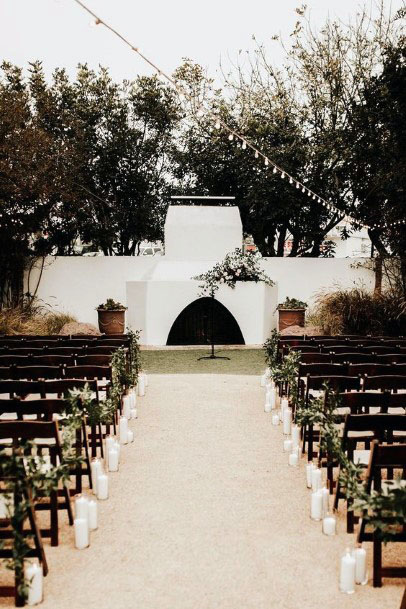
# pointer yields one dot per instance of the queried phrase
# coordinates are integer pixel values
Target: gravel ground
(206, 514)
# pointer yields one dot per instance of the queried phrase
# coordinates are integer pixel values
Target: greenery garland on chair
(28, 476)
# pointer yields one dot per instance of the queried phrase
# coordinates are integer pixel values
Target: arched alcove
(193, 325)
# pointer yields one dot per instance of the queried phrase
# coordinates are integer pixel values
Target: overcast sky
(58, 32)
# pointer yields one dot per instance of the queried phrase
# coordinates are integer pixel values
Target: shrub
(358, 311)
(32, 320)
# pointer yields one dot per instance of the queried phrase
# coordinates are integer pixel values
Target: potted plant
(291, 313)
(111, 317)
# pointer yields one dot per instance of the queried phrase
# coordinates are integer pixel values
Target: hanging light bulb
(283, 175)
(297, 185)
(244, 145)
(303, 189)
(290, 180)
(94, 22)
(309, 194)
(275, 170)
(314, 196)
(256, 154)
(217, 125)
(231, 137)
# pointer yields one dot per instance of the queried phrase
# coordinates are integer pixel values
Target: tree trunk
(378, 276)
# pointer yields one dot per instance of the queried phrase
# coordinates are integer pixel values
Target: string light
(98, 21)
(266, 162)
(274, 170)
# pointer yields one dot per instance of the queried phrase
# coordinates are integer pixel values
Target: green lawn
(242, 361)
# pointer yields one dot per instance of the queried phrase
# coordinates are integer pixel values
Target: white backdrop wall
(77, 285)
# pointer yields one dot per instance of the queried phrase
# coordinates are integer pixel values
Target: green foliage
(287, 372)
(111, 305)
(270, 347)
(358, 311)
(384, 510)
(292, 303)
(135, 357)
(27, 476)
(236, 266)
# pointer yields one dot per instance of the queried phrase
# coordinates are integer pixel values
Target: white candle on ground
(309, 469)
(126, 406)
(295, 431)
(81, 526)
(275, 419)
(113, 460)
(95, 470)
(81, 507)
(316, 505)
(123, 428)
(118, 448)
(268, 407)
(34, 577)
(110, 442)
(347, 573)
(360, 556)
(102, 487)
(284, 403)
(130, 436)
(141, 385)
(133, 413)
(92, 515)
(293, 459)
(329, 525)
(326, 496)
(316, 478)
(287, 421)
(133, 397)
(287, 446)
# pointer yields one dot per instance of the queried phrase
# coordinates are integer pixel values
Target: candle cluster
(353, 563)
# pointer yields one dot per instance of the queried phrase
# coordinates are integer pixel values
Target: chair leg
(85, 443)
(100, 431)
(310, 443)
(54, 508)
(350, 518)
(377, 560)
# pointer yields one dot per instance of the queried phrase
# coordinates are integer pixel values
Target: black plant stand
(212, 355)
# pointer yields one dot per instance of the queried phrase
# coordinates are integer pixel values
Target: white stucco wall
(78, 284)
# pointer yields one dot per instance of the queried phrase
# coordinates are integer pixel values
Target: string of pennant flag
(245, 144)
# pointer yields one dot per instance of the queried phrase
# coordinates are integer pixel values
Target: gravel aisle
(205, 514)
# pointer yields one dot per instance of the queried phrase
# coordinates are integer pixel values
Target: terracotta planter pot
(291, 317)
(111, 321)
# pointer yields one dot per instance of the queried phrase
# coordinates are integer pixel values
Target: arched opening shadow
(193, 325)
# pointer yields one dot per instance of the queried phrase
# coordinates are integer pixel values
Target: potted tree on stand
(291, 313)
(111, 317)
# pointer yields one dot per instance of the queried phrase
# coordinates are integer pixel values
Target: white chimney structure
(196, 238)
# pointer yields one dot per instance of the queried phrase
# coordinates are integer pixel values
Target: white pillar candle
(309, 469)
(133, 413)
(316, 505)
(268, 407)
(287, 421)
(360, 556)
(113, 460)
(284, 403)
(81, 507)
(130, 436)
(110, 442)
(275, 419)
(96, 469)
(287, 446)
(293, 459)
(141, 385)
(118, 448)
(34, 577)
(329, 525)
(81, 526)
(316, 478)
(347, 573)
(123, 428)
(295, 431)
(262, 380)
(92, 515)
(127, 406)
(133, 398)
(102, 487)
(326, 496)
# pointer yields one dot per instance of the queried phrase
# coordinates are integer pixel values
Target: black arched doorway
(193, 325)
